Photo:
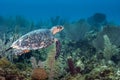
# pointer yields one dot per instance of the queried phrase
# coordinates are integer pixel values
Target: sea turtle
(35, 40)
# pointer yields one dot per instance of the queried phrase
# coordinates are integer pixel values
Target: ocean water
(72, 9)
(59, 40)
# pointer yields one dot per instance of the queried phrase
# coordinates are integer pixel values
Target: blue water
(68, 9)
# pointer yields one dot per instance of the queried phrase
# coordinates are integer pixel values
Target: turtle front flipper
(58, 48)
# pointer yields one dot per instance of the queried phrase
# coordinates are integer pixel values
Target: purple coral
(71, 66)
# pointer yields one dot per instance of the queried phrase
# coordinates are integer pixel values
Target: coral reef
(4, 62)
(77, 30)
(97, 21)
(109, 49)
(39, 72)
(87, 52)
(71, 66)
(8, 71)
(112, 33)
(50, 62)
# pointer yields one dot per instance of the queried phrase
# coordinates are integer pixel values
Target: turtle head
(56, 29)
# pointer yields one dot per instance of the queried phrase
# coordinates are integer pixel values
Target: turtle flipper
(58, 49)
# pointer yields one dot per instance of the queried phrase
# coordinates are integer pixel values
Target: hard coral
(97, 21)
(10, 74)
(4, 62)
(101, 73)
(112, 33)
(109, 48)
(99, 17)
(77, 30)
(39, 74)
(71, 66)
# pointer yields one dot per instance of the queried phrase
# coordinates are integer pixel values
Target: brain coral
(39, 74)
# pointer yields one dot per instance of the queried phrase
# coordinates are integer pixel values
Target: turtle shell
(34, 40)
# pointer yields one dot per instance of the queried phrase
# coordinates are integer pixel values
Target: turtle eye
(59, 27)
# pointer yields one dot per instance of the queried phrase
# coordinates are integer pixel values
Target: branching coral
(4, 45)
(76, 31)
(113, 34)
(33, 62)
(50, 62)
(109, 49)
(53, 66)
